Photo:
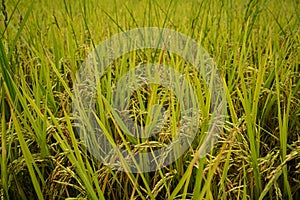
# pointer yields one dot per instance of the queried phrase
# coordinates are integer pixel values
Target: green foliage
(256, 47)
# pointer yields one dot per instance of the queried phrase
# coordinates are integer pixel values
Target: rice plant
(255, 46)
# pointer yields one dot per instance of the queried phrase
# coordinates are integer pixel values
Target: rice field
(254, 45)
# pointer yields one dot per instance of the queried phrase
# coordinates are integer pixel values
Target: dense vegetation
(256, 47)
